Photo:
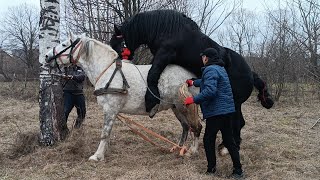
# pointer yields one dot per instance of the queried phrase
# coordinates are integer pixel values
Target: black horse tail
(264, 97)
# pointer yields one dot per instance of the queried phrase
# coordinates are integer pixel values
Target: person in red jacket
(217, 105)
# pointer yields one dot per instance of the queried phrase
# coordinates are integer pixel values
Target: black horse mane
(149, 27)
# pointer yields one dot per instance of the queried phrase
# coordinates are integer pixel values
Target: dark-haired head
(213, 57)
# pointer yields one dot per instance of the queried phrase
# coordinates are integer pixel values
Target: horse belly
(134, 104)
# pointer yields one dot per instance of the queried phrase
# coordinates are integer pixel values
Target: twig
(315, 123)
(7, 143)
(17, 126)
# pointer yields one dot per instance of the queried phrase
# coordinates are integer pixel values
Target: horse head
(65, 53)
(90, 54)
(118, 42)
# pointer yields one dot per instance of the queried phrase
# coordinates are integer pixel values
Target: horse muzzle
(48, 59)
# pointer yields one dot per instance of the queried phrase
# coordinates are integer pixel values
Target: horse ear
(69, 34)
(117, 30)
(72, 36)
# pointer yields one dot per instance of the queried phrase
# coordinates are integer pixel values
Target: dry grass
(277, 144)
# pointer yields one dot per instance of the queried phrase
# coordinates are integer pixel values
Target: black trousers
(224, 124)
(78, 101)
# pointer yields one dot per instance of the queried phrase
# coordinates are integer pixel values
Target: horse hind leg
(105, 138)
(237, 124)
(196, 129)
(184, 124)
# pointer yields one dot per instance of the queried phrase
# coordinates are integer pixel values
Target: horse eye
(64, 45)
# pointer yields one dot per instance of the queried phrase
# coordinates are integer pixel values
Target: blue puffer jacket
(215, 97)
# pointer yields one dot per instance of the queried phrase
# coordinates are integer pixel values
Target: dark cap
(213, 57)
(210, 53)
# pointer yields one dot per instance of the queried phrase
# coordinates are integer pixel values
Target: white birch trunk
(50, 96)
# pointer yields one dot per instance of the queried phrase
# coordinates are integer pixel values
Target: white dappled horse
(97, 60)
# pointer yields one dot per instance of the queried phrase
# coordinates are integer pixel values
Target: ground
(277, 144)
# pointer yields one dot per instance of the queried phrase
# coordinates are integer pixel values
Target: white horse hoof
(191, 153)
(96, 158)
(223, 151)
(188, 154)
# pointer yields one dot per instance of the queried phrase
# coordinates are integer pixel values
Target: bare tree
(284, 53)
(97, 17)
(306, 15)
(303, 26)
(50, 98)
(210, 15)
(2, 58)
(20, 26)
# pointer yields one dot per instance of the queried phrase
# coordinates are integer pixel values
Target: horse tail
(191, 111)
(264, 96)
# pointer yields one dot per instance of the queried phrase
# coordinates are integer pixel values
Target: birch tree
(50, 97)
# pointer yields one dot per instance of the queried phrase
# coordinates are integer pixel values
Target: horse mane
(89, 44)
(150, 26)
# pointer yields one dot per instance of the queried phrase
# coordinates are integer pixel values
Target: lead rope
(130, 124)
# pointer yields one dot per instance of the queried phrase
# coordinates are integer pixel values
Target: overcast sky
(254, 5)
(5, 4)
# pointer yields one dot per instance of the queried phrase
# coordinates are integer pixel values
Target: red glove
(188, 100)
(189, 82)
(125, 53)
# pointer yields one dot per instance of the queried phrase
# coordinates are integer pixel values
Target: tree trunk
(50, 97)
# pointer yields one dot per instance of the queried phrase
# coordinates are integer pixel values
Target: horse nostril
(46, 58)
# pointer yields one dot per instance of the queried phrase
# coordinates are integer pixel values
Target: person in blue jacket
(217, 105)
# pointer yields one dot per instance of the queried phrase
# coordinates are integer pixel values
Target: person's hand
(189, 82)
(188, 100)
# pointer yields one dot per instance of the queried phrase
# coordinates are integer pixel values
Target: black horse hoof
(78, 123)
(154, 111)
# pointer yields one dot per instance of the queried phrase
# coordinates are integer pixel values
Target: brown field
(277, 144)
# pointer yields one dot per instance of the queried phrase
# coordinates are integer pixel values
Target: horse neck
(135, 37)
(153, 27)
(98, 59)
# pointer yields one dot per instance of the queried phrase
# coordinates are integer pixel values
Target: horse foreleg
(105, 138)
(162, 58)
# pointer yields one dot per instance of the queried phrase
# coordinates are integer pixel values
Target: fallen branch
(315, 123)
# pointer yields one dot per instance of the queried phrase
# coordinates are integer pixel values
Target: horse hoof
(96, 158)
(188, 154)
(192, 151)
(223, 151)
(154, 111)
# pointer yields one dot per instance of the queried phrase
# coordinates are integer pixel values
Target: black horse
(173, 38)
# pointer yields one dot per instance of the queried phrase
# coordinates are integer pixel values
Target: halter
(122, 45)
(74, 46)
